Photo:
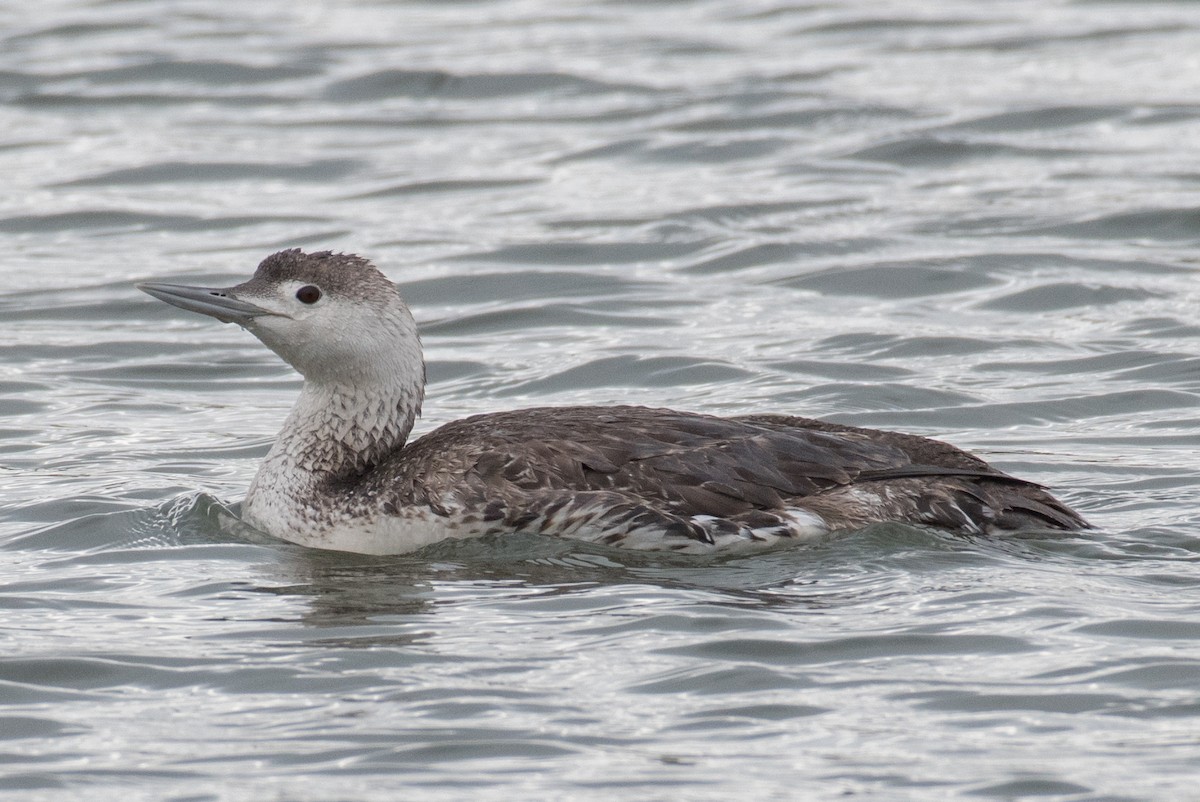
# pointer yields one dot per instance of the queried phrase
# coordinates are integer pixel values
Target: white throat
(334, 434)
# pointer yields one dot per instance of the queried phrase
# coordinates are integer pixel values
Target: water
(978, 221)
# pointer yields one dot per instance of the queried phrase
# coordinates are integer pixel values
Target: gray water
(971, 220)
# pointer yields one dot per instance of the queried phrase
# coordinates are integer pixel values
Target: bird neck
(334, 434)
(360, 398)
(339, 432)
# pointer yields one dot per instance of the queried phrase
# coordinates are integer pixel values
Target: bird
(343, 475)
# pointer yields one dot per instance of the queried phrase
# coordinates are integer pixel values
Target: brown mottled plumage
(342, 476)
(622, 470)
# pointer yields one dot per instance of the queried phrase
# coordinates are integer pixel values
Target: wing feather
(675, 468)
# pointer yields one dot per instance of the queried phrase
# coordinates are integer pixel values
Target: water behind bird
(969, 222)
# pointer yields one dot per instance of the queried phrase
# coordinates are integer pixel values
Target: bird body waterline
(343, 474)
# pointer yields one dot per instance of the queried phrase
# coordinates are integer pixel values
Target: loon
(343, 476)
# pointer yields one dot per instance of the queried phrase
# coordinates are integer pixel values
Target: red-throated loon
(342, 474)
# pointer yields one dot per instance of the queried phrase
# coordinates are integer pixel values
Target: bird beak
(224, 305)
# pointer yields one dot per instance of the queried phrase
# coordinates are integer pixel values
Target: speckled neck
(336, 433)
(333, 435)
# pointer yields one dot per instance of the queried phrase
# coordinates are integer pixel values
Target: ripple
(841, 370)
(176, 172)
(701, 151)
(720, 682)
(1057, 296)
(1072, 703)
(14, 728)
(898, 279)
(744, 120)
(209, 73)
(1139, 628)
(1042, 118)
(124, 221)
(521, 285)
(1153, 224)
(440, 83)
(586, 253)
(723, 716)
(627, 371)
(932, 151)
(1031, 787)
(95, 674)
(449, 185)
(750, 256)
(525, 319)
(100, 99)
(836, 650)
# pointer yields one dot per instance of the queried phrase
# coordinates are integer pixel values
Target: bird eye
(308, 294)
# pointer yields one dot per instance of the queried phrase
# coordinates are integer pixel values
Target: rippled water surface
(972, 220)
